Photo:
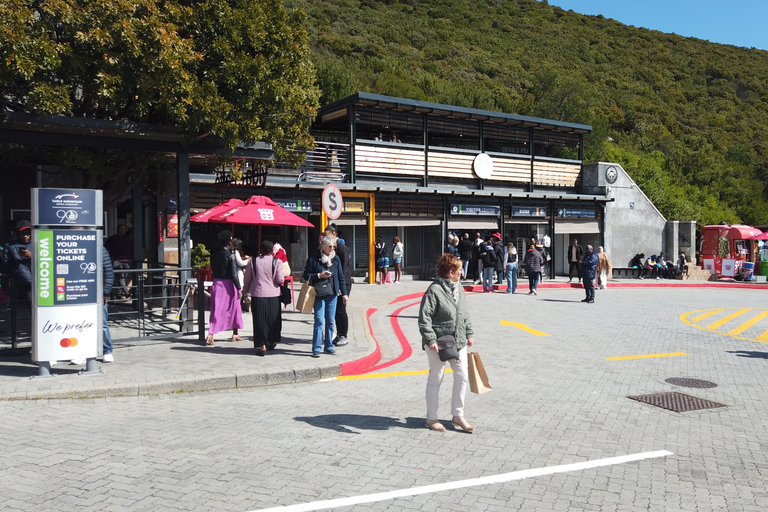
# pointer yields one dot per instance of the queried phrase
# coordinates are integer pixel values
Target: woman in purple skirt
(225, 294)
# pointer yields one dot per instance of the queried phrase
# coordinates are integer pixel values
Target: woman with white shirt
(397, 255)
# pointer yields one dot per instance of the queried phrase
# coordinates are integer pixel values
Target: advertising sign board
(66, 207)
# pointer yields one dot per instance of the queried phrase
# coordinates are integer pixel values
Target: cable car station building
(422, 170)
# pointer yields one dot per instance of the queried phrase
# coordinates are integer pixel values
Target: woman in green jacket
(443, 300)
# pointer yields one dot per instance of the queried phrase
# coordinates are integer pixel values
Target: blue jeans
(488, 279)
(325, 313)
(466, 268)
(533, 279)
(511, 277)
(106, 340)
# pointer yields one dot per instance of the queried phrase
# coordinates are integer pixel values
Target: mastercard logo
(68, 342)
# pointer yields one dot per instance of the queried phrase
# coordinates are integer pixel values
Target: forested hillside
(687, 118)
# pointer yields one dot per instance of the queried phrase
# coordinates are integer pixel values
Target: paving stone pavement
(556, 400)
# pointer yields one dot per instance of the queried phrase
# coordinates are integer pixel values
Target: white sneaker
(108, 358)
(77, 361)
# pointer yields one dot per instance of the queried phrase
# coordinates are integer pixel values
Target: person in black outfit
(465, 253)
(498, 250)
(575, 253)
(341, 319)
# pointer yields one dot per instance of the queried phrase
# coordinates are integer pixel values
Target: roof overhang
(364, 99)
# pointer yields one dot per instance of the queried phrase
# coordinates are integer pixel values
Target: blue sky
(737, 22)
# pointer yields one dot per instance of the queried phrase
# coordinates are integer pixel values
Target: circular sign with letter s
(332, 201)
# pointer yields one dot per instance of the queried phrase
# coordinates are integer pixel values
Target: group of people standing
(261, 277)
(382, 259)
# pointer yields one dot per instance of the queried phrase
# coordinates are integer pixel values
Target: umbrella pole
(259, 243)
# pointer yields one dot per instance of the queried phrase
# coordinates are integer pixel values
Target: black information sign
(67, 207)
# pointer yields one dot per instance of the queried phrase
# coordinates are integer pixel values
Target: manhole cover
(690, 383)
(677, 402)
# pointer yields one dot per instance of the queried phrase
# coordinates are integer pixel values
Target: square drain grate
(677, 402)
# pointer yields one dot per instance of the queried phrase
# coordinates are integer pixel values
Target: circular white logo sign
(483, 166)
(332, 201)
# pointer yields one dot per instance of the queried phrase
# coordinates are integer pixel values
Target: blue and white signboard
(295, 205)
(568, 213)
(66, 274)
(66, 207)
(475, 209)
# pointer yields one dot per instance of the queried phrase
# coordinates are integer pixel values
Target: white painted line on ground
(449, 486)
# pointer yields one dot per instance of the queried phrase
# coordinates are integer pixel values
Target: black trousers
(342, 320)
(574, 265)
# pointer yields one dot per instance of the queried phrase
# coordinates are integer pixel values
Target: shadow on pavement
(747, 353)
(345, 422)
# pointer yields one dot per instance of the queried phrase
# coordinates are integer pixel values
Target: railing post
(200, 307)
(14, 309)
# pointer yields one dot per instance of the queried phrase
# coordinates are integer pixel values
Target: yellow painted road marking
(749, 323)
(524, 327)
(390, 374)
(706, 315)
(701, 314)
(728, 318)
(646, 356)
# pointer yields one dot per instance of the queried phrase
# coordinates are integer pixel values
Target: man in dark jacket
(575, 253)
(18, 259)
(498, 250)
(465, 253)
(588, 272)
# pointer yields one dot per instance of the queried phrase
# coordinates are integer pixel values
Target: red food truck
(729, 250)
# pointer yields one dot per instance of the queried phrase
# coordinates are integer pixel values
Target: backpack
(488, 258)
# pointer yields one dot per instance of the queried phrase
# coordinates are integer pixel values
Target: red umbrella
(761, 236)
(217, 210)
(256, 211)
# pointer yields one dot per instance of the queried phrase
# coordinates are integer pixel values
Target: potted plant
(201, 259)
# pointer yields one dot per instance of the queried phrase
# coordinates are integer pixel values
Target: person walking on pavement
(325, 264)
(603, 268)
(444, 311)
(342, 319)
(575, 253)
(226, 312)
(108, 278)
(510, 265)
(588, 272)
(532, 263)
(263, 279)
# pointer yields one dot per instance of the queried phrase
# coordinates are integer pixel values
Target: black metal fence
(154, 304)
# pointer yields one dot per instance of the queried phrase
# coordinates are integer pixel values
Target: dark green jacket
(437, 315)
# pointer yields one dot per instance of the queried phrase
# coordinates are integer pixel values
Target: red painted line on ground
(407, 297)
(358, 366)
(407, 350)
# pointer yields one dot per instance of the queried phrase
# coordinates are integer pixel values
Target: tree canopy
(235, 71)
(686, 118)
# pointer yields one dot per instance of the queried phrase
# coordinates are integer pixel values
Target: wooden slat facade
(450, 165)
(556, 173)
(389, 161)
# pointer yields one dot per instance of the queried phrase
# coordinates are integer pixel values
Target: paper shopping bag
(478, 379)
(306, 301)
